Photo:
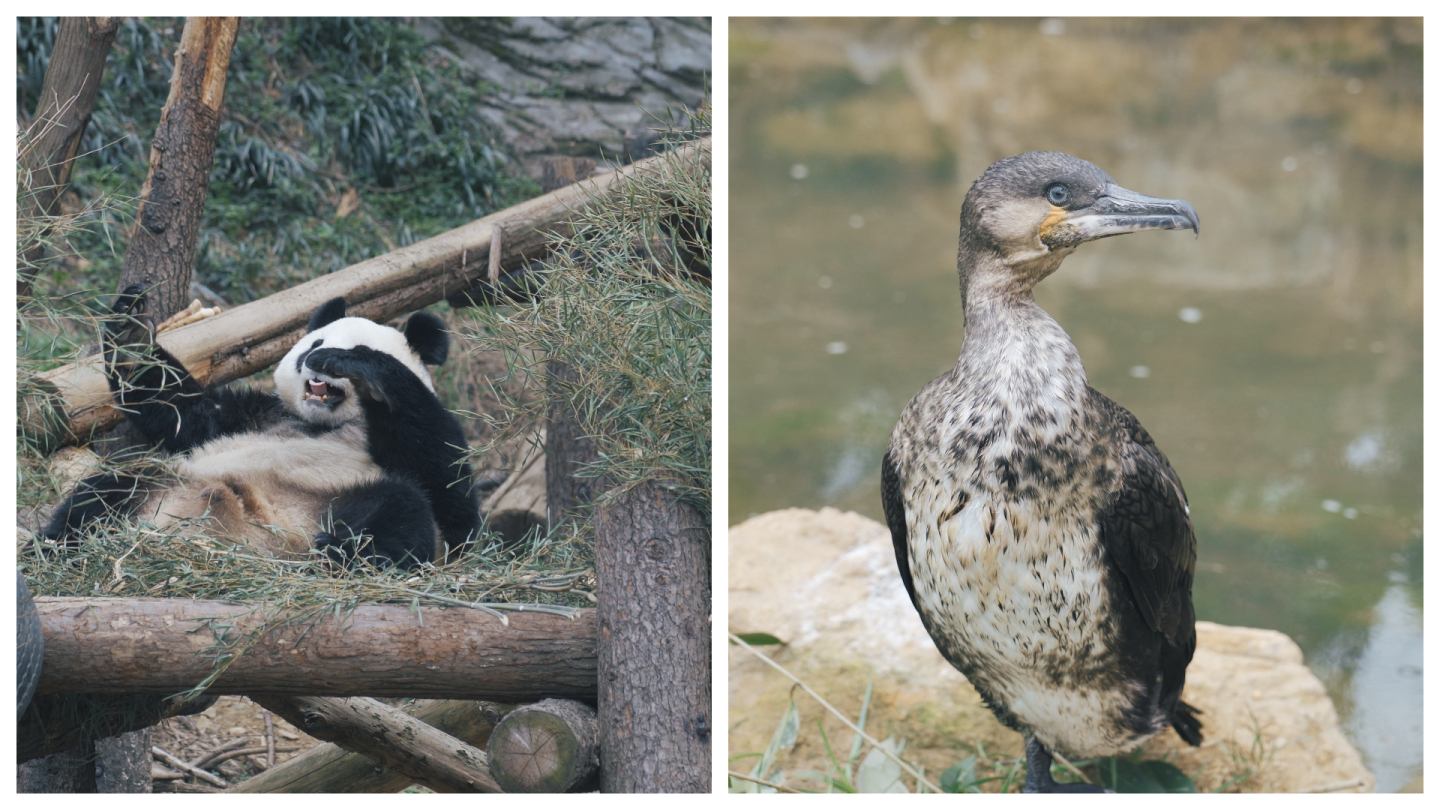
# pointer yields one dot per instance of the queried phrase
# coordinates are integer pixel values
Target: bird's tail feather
(1185, 723)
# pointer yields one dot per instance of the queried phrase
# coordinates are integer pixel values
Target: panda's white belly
(271, 490)
(1019, 596)
(284, 460)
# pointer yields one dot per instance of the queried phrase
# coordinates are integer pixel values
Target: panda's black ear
(426, 334)
(328, 313)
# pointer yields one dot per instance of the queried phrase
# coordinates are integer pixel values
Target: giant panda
(352, 455)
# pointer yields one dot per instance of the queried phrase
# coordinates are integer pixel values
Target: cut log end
(550, 747)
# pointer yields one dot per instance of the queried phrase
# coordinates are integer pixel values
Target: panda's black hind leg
(94, 499)
(388, 522)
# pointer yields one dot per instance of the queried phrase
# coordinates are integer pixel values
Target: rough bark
(161, 254)
(158, 646)
(550, 747)
(567, 450)
(250, 337)
(652, 564)
(58, 723)
(67, 100)
(123, 763)
(328, 768)
(518, 506)
(389, 736)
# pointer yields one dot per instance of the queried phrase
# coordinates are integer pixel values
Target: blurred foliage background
(342, 138)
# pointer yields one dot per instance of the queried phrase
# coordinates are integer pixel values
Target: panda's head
(328, 400)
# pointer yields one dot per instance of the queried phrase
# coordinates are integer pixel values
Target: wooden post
(652, 566)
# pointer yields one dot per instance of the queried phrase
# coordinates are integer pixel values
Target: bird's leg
(1037, 773)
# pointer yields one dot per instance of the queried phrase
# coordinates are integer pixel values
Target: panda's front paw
(130, 301)
(128, 324)
(338, 551)
(358, 365)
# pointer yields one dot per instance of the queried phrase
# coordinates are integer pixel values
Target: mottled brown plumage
(1043, 538)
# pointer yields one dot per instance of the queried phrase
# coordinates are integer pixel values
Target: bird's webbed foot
(1038, 778)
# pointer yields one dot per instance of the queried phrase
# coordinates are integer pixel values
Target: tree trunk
(328, 768)
(567, 451)
(123, 763)
(652, 564)
(550, 747)
(159, 646)
(389, 736)
(67, 99)
(161, 255)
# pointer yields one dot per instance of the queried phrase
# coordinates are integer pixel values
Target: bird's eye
(1057, 194)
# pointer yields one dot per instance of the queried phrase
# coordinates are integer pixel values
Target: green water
(1276, 359)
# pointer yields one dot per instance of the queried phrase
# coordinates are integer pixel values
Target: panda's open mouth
(323, 393)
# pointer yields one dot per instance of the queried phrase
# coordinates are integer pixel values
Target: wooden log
(389, 736)
(550, 747)
(159, 646)
(250, 337)
(518, 506)
(328, 768)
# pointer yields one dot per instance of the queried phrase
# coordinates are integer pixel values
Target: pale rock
(825, 583)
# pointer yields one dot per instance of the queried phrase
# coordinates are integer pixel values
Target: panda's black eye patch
(1057, 194)
(300, 361)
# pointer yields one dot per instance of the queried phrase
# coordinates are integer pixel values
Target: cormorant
(1044, 539)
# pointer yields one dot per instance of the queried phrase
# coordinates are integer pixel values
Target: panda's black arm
(161, 398)
(171, 408)
(410, 432)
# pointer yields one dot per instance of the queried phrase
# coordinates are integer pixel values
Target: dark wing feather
(1146, 532)
(894, 503)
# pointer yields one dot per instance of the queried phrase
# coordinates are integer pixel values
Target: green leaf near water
(1148, 776)
(758, 639)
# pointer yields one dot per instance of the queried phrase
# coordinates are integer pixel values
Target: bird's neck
(1014, 349)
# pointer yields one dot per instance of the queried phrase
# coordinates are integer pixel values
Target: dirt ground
(230, 721)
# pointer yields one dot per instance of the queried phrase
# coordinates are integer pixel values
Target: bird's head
(1026, 213)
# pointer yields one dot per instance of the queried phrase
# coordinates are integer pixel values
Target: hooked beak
(1116, 211)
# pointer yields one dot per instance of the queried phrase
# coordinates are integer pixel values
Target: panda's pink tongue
(318, 388)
